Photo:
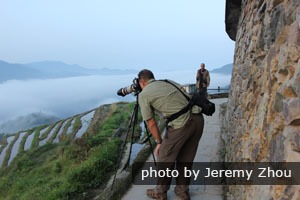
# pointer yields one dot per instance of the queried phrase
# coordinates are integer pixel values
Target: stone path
(207, 152)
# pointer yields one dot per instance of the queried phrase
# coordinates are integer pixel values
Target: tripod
(131, 126)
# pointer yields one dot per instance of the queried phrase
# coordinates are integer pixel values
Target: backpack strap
(177, 114)
(187, 98)
(182, 111)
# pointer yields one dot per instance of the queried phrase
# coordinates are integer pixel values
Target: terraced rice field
(25, 140)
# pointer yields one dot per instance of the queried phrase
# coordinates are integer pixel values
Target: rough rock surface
(263, 112)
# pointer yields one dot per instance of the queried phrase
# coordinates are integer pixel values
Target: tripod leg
(131, 122)
(135, 118)
(151, 147)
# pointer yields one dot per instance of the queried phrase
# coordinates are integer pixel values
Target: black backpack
(208, 107)
(199, 99)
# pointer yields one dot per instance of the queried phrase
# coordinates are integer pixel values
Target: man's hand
(151, 123)
(157, 150)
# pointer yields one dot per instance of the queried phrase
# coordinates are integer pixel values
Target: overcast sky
(134, 34)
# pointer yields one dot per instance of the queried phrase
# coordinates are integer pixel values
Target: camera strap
(182, 111)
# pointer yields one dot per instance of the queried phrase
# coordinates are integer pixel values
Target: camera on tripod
(134, 87)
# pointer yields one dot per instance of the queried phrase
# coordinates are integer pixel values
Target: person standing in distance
(180, 143)
(202, 80)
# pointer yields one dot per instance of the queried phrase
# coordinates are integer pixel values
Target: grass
(119, 118)
(47, 173)
(66, 170)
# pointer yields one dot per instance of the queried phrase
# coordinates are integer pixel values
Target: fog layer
(66, 97)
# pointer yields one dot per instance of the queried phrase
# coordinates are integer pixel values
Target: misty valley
(32, 102)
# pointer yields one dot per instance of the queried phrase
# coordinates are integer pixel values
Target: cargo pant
(177, 151)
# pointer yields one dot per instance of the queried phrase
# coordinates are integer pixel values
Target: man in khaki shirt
(183, 134)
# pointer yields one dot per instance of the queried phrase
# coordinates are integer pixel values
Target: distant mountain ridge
(57, 67)
(226, 69)
(16, 71)
(27, 122)
(50, 69)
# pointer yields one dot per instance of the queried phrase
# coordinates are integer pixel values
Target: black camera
(135, 88)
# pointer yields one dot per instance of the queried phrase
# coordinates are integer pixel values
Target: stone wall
(263, 111)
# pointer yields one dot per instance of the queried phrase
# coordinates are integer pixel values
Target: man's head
(202, 66)
(144, 76)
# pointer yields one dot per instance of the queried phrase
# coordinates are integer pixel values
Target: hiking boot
(154, 195)
(183, 195)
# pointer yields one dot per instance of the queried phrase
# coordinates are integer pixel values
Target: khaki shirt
(165, 99)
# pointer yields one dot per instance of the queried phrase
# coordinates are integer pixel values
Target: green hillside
(73, 167)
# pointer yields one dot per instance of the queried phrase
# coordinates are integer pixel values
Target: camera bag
(208, 107)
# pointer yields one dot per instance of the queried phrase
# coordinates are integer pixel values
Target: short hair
(146, 74)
